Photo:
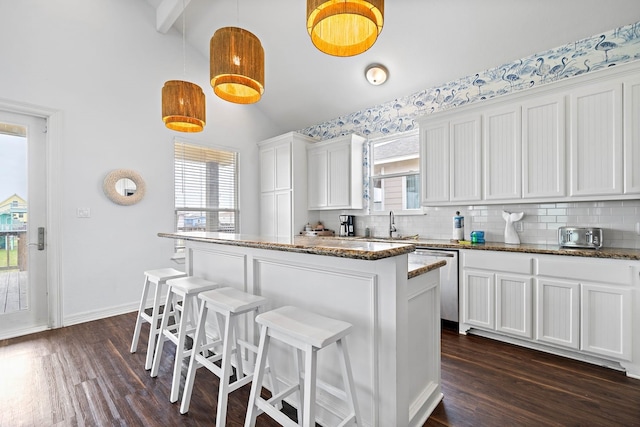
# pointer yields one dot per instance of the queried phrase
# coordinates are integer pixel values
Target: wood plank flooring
(85, 375)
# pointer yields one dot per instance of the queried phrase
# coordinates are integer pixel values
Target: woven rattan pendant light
(237, 65)
(344, 27)
(183, 103)
(183, 106)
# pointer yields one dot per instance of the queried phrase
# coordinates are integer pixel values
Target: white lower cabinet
(558, 312)
(497, 292)
(577, 304)
(606, 321)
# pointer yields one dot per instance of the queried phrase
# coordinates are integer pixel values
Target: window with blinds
(395, 173)
(206, 194)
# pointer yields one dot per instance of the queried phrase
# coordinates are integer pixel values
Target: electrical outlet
(83, 212)
(519, 226)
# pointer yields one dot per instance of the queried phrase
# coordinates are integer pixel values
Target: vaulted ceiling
(424, 43)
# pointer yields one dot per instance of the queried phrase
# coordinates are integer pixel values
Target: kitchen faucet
(392, 224)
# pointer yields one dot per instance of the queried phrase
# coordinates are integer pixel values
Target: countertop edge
(425, 269)
(401, 248)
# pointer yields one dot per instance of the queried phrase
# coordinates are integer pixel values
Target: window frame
(235, 210)
(371, 149)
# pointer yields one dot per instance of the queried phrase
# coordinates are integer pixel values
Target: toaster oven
(580, 237)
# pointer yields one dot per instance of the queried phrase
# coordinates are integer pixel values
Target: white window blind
(206, 196)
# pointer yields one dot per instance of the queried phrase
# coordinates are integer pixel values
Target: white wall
(103, 64)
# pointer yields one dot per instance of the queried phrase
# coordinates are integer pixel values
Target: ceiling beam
(168, 12)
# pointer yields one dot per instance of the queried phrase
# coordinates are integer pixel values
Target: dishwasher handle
(431, 252)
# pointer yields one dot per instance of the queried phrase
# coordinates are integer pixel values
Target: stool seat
(308, 327)
(164, 274)
(232, 300)
(157, 278)
(191, 285)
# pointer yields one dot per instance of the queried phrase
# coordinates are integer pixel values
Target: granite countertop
(611, 253)
(416, 269)
(343, 248)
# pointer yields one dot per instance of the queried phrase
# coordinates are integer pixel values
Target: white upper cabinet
(450, 160)
(632, 136)
(283, 184)
(335, 178)
(574, 139)
(543, 147)
(595, 141)
(434, 157)
(464, 159)
(502, 153)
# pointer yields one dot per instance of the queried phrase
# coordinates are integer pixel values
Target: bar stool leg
(138, 327)
(223, 394)
(349, 384)
(198, 340)
(256, 387)
(153, 329)
(300, 369)
(177, 365)
(310, 368)
(161, 338)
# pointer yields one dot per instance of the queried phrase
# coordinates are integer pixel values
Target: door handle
(41, 238)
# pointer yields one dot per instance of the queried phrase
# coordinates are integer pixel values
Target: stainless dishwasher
(448, 279)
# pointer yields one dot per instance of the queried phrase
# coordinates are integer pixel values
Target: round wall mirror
(124, 186)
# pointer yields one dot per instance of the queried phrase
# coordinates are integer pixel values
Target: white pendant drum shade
(183, 106)
(237, 65)
(344, 27)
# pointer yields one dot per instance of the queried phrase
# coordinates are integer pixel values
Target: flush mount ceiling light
(237, 65)
(344, 27)
(376, 74)
(183, 103)
(183, 106)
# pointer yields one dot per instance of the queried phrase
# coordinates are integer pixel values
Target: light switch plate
(83, 212)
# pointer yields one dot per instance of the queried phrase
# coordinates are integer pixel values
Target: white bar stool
(187, 290)
(228, 304)
(157, 278)
(307, 332)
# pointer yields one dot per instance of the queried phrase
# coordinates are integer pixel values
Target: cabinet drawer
(604, 271)
(498, 261)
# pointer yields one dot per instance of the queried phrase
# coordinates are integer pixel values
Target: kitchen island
(395, 343)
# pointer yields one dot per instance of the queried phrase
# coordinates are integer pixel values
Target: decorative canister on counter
(458, 227)
(477, 236)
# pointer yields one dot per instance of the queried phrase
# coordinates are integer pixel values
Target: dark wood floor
(85, 375)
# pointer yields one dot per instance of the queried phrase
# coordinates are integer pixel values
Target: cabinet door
(434, 157)
(502, 154)
(283, 167)
(632, 136)
(283, 214)
(267, 214)
(464, 159)
(317, 178)
(478, 299)
(596, 140)
(543, 147)
(339, 168)
(606, 321)
(558, 312)
(514, 305)
(267, 169)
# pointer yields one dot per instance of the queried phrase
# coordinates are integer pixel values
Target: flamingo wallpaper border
(617, 46)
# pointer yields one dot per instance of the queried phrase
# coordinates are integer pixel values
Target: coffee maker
(347, 225)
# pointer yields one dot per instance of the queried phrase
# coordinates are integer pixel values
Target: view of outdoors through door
(23, 287)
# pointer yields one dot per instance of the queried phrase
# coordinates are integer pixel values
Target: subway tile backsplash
(540, 223)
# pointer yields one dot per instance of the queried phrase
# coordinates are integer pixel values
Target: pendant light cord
(184, 35)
